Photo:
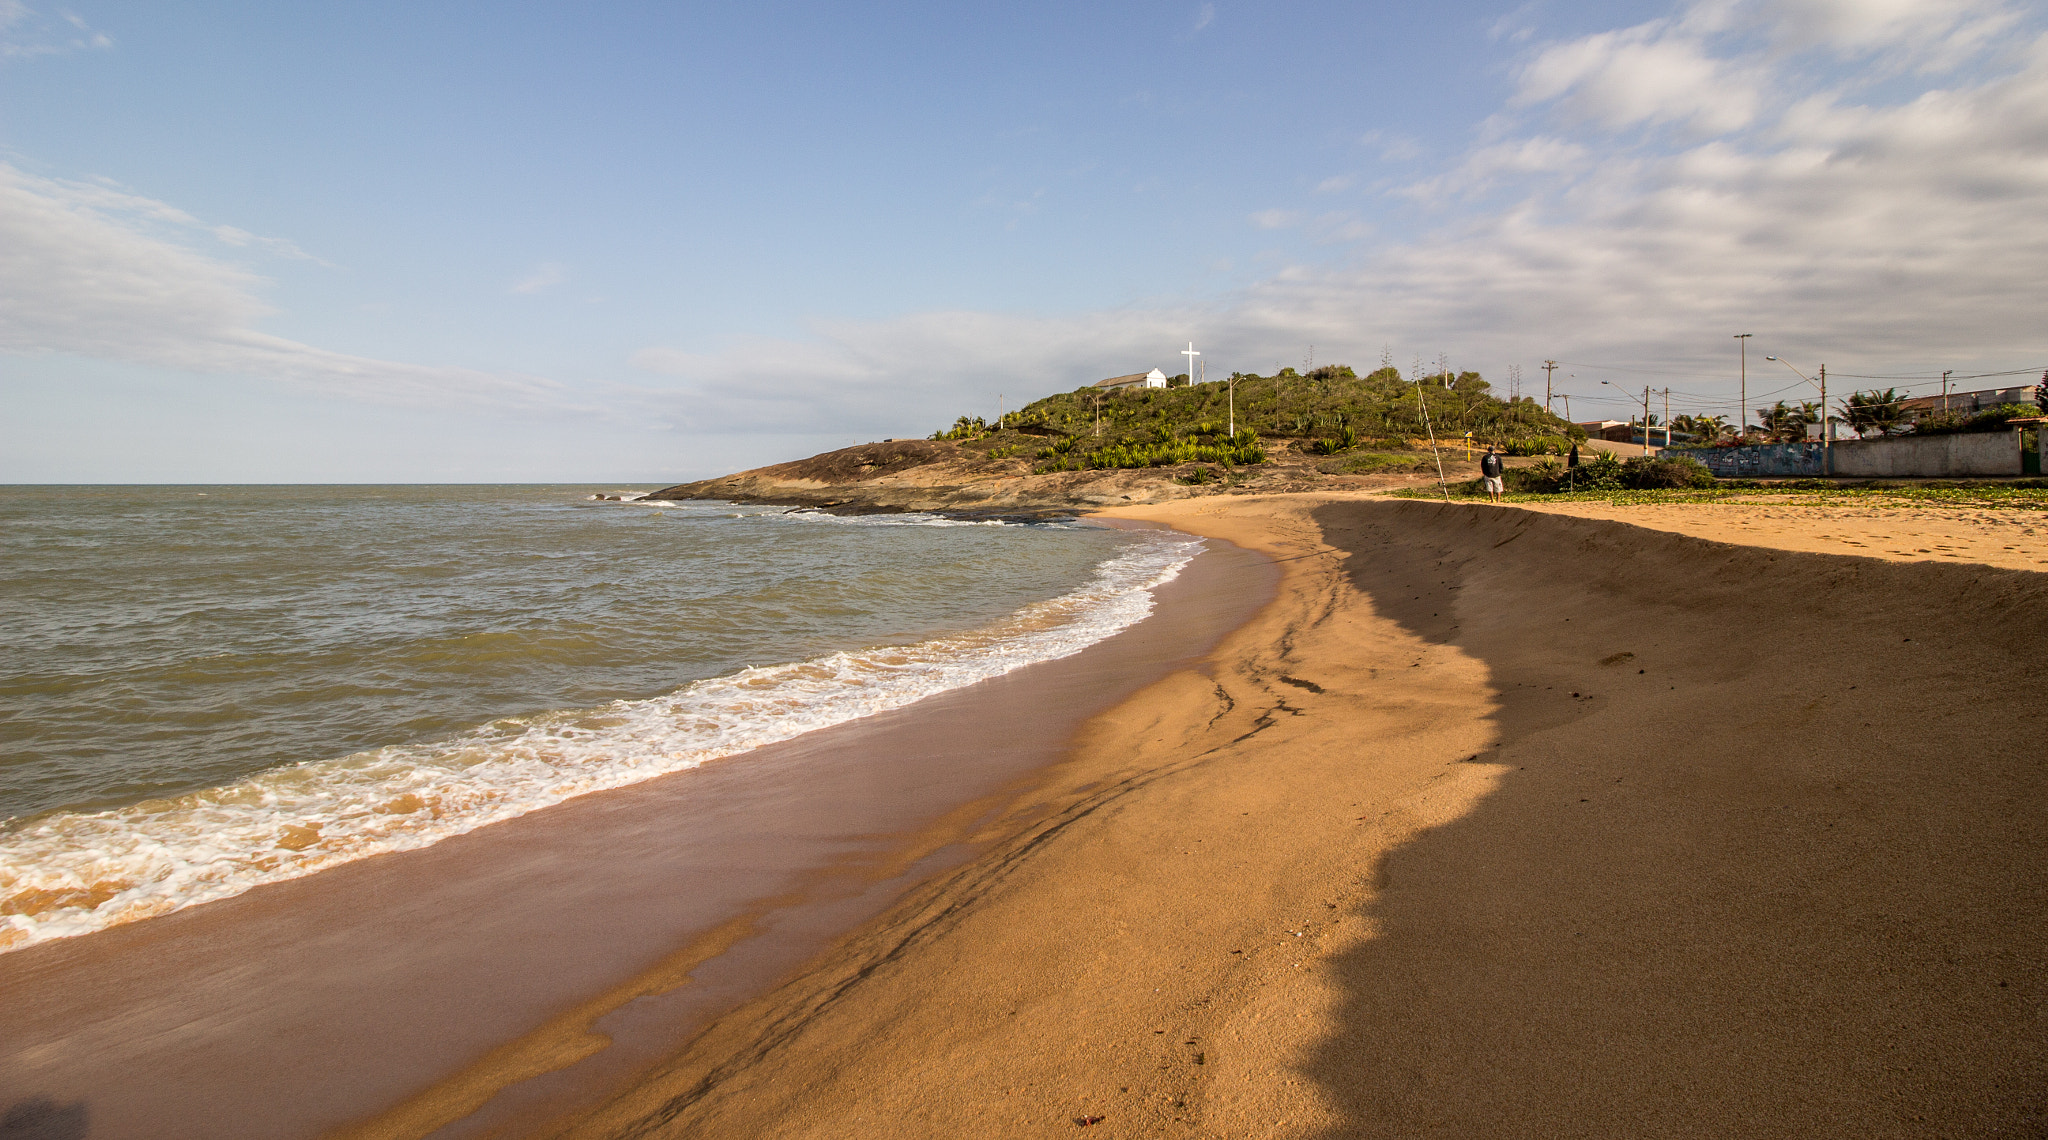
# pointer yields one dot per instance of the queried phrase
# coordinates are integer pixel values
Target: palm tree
(1809, 413)
(1778, 421)
(1710, 428)
(1874, 411)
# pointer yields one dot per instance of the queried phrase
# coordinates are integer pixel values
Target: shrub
(1601, 473)
(1538, 445)
(1128, 455)
(1643, 473)
(1990, 419)
(1542, 478)
(1345, 441)
(964, 428)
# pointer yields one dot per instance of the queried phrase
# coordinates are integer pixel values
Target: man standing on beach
(1490, 469)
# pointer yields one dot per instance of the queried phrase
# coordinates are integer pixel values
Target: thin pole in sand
(1441, 484)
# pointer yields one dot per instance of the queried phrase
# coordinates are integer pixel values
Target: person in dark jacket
(1490, 468)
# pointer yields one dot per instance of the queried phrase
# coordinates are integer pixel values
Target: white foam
(74, 873)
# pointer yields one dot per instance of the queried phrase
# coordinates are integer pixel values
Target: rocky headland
(942, 476)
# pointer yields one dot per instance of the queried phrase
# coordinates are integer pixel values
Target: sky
(646, 242)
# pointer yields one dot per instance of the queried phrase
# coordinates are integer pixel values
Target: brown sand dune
(1495, 823)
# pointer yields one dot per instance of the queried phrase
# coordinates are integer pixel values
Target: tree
(1775, 420)
(1707, 429)
(1877, 411)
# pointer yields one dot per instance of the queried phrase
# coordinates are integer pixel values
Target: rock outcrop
(949, 478)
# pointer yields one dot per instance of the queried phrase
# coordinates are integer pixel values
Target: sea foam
(74, 873)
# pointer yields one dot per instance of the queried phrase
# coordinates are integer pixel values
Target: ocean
(204, 689)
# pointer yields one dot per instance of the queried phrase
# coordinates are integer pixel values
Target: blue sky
(639, 242)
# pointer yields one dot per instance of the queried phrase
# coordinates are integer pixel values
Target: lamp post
(1827, 453)
(1742, 409)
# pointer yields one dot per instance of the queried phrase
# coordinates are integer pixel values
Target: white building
(1152, 379)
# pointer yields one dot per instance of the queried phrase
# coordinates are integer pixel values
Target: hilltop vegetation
(1330, 411)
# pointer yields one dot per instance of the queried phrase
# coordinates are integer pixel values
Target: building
(1152, 379)
(1918, 406)
(1618, 431)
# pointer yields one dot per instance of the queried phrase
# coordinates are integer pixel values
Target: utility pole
(1742, 409)
(1646, 421)
(1000, 414)
(1944, 391)
(1550, 366)
(1827, 454)
(1098, 413)
(1667, 418)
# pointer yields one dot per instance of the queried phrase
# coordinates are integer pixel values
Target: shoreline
(1491, 824)
(500, 977)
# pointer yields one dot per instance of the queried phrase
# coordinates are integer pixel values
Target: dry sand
(1495, 823)
(2015, 539)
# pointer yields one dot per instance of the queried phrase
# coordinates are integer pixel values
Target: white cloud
(94, 271)
(544, 275)
(1929, 34)
(1204, 16)
(25, 34)
(1276, 219)
(1652, 73)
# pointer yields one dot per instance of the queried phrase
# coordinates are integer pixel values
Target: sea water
(203, 689)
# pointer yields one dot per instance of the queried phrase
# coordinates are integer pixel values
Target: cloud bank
(94, 271)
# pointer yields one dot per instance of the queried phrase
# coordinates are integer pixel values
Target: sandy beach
(1495, 822)
(492, 983)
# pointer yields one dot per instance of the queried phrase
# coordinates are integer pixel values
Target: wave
(73, 873)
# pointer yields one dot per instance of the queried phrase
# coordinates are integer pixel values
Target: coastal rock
(944, 477)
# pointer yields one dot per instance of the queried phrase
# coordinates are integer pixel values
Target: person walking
(1490, 469)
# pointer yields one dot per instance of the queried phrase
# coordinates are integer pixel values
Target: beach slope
(1494, 823)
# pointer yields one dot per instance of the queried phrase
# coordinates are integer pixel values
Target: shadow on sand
(41, 1118)
(1768, 857)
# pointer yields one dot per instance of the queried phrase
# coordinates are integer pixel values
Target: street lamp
(1827, 454)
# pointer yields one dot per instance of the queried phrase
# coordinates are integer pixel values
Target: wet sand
(1494, 823)
(493, 982)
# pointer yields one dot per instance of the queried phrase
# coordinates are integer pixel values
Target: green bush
(1538, 445)
(1345, 441)
(1543, 478)
(1131, 455)
(1601, 473)
(1647, 474)
(1990, 419)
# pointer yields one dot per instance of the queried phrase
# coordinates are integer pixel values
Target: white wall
(1961, 455)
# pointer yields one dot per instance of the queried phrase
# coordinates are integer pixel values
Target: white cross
(1191, 354)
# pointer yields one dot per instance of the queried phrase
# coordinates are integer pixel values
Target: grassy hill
(1331, 411)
